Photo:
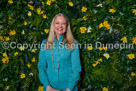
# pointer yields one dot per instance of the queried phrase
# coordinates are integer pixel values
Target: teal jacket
(69, 69)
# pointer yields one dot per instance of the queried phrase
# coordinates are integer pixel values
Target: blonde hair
(67, 35)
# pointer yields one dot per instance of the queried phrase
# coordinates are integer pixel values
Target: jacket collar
(60, 38)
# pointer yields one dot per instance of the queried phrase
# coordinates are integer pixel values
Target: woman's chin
(60, 33)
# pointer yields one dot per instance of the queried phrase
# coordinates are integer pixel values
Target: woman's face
(60, 25)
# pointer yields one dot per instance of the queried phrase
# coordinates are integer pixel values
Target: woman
(59, 65)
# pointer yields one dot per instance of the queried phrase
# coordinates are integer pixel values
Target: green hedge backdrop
(92, 21)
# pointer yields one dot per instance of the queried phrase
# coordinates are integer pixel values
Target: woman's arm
(42, 64)
(76, 68)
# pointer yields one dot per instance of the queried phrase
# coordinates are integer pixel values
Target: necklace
(56, 70)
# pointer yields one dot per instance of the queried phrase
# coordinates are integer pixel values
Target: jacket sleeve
(42, 64)
(76, 68)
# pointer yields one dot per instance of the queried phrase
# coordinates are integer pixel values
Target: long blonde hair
(67, 35)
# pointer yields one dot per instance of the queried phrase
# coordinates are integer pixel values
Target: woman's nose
(60, 25)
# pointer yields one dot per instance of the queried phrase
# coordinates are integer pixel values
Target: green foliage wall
(92, 21)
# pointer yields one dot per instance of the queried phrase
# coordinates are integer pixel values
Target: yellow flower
(3, 60)
(124, 39)
(10, 18)
(5, 79)
(100, 49)
(1, 37)
(48, 3)
(28, 65)
(5, 54)
(13, 32)
(70, 4)
(25, 23)
(100, 25)
(44, 16)
(16, 53)
(33, 60)
(106, 55)
(100, 59)
(105, 89)
(99, 5)
(42, 12)
(6, 59)
(90, 48)
(46, 30)
(42, 3)
(94, 65)
(83, 29)
(33, 50)
(112, 10)
(108, 26)
(53, 0)
(7, 87)
(131, 56)
(29, 14)
(10, 1)
(39, 11)
(85, 18)
(97, 62)
(23, 32)
(22, 76)
(105, 48)
(7, 38)
(134, 11)
(105, 23)
(134, 41)
(84, 9)
(31, 7)
(40, 88)
(133, 74)
(22, 48)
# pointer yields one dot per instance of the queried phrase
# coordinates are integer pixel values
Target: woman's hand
(49, 88)
(67, 89)
(52, 89)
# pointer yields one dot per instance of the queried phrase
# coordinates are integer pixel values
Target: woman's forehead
(60, 18)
